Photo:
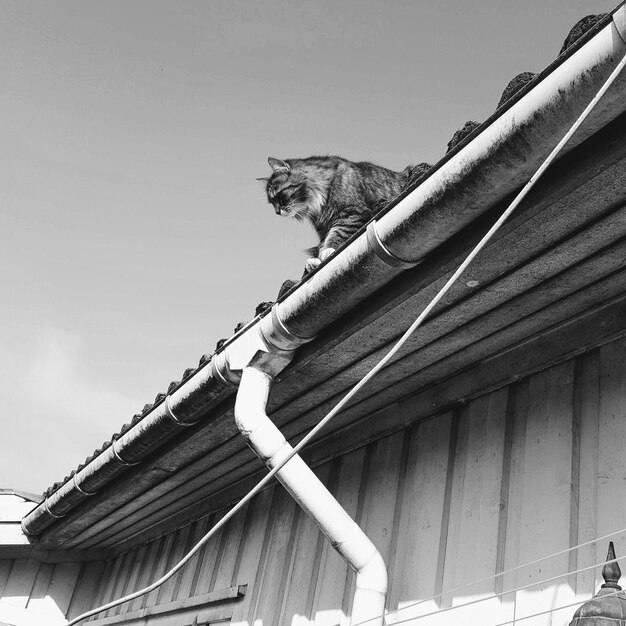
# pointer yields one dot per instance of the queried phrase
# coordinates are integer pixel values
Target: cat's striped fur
(335, 195)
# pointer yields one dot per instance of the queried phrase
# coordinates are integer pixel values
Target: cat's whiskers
(296, 209)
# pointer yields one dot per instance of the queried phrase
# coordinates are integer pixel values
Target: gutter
(499, 159)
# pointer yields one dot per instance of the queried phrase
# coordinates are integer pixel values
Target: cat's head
(288, 189)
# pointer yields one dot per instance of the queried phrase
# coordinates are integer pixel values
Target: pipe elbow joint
(251, 418)
(373, 575)
(252, 398)
(370, 593)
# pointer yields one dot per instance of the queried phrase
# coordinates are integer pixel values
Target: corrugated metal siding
(511, 476)
(519, 473)
(55, 590)
(550, 273)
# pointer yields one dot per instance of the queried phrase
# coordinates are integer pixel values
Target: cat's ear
(278, 165)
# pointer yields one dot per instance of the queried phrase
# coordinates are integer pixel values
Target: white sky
(134, 234)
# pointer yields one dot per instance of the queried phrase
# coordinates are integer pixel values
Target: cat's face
(287, 189)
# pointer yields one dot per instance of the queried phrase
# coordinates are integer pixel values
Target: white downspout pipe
(346, 537)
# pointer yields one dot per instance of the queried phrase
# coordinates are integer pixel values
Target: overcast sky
(134, 234)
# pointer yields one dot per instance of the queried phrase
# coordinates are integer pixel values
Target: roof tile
(519, 81)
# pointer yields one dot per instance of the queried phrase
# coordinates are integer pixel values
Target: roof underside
(551, 282)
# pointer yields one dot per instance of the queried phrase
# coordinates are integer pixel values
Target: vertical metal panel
(118, 577)
(219, 554)
(62, 585)
(187, 573)
(159, 568)
(380, 497)
(471, 550)
(48, 589)
(88, 583)
(20, 582)
(288, 567)
(587, 398)
(101, 589)
(146, 572)
(277, 558)
(413, 576)
(397, 514)
(453, 453)
(379, 500)
(5, 571)
(509, 523)
(254, 540)
(575, 473)
(233, 538)
(111, 581)
(611, 487)
(200, 564)
(37, 600)
(42, 589)
(514, 391)
(208, 560)
(189, 543)
(176, 553)
(130, 579)
(543, 489)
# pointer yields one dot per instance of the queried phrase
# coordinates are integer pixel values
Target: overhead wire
(525, 617)
(483, 599)
(381, 364)
(503, 573)
(550, 611)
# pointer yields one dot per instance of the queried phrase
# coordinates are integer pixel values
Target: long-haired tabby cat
(335, 195)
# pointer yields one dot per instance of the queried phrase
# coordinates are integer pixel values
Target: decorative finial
(611, 571)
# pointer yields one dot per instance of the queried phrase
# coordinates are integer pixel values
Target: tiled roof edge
(592, 27)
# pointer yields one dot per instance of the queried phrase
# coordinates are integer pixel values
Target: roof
(14, 544)
(515, 85)
(553, 262)
(31, 497)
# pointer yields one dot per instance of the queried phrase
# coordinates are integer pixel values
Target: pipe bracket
(47, 507)
(79, 489)
(278, 335)
(119, 458)
(222, 372)
(172, 416)
(382, 252)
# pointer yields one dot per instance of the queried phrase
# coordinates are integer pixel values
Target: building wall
(504, 479)
(32, 590)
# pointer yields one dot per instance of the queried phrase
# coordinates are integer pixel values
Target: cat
(335, 195)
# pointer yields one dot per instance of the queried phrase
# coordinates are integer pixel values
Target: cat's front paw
(311, 264)
(325, 253)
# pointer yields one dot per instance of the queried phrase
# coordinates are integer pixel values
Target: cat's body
(335, 195)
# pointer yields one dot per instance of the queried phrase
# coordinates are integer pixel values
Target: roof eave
(501, 156)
